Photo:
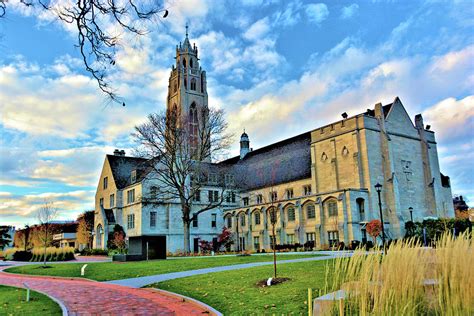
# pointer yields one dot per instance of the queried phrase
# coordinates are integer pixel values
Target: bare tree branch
(180, 158)
(95, 40)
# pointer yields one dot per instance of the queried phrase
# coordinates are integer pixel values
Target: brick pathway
(83, 297)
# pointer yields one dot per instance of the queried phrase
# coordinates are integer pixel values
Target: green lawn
(13, 302)
(106, 271)
(236, 292)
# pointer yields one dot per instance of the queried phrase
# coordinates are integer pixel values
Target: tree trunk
(45, 243)
(187, 248)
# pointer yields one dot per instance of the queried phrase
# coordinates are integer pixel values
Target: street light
(378, 187)
(411, 213)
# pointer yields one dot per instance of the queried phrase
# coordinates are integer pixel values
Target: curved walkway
(147, 280)
(85, 297)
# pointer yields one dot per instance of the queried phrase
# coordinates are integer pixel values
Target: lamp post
(411, 213)
(378, 187)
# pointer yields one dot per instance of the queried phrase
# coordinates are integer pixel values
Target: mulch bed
(263, 283)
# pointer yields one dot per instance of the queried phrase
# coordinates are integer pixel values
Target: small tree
(85, 227)
(45, 215)
(374, 228)
(119, 241)
(224, 239)
(5, 238)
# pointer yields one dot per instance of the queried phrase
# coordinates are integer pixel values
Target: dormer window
(229, 179)
(133, 177)
(212, 178)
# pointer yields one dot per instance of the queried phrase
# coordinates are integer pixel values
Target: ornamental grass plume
(408, 280)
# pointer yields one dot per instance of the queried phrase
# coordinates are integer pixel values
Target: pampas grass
(408, 280)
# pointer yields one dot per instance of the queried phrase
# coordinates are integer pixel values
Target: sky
(277, 68)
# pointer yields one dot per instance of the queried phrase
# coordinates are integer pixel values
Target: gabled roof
(123, 166)
(284, 161)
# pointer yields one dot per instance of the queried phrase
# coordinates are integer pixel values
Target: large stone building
(318, 186)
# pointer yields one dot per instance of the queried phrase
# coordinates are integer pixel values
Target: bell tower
(187, 89)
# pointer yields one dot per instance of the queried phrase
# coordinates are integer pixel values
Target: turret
(244, 145)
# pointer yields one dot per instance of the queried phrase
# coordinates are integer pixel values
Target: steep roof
(284, 161)
(123, 166)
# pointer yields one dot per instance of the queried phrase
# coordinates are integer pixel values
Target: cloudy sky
(278, 68)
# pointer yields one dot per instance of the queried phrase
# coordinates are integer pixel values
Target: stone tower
(187, 89)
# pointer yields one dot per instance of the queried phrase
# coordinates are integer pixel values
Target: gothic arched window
(193, 84)
(193, 124)
(184, 62)
(99, 235)
(191, 63)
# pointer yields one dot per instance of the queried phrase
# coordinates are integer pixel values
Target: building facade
(317, 186)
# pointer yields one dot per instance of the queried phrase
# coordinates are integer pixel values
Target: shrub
(94, 252)
(375, 285)
(22, 255)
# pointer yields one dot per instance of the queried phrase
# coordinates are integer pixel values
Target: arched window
(332, 208)
(193, 124)
(229, 221)
(191, 63)
(360, 205)
(184, 62)
(310, 211)
(273, 216)
(257, 218)
(291, 214)
(242, 220)
(193, 84)
(99, 235)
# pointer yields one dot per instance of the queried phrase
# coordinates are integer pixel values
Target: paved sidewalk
(147, 280)
(84, 297)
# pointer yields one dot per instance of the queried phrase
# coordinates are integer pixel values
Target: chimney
(116, 152)
(122, 152)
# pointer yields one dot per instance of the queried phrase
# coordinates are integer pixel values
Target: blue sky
(278, 68)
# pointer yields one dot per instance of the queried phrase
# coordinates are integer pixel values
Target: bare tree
(179, 153)
(45, 214)
(96, 40)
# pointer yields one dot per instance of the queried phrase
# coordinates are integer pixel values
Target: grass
(395, 283)
(106, 271)
(236, 292)
(13, 302)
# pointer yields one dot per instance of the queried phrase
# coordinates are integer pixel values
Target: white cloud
(258, 30)
(452, 119)
(317, 12)
(349, 11)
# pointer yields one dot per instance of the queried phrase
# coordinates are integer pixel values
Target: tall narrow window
(106, 182)
(184, 62)
(195, 221)
(213, 220)
(197, 196)
(242, 220)
(257, 218)
(193, 84)
(289, 193)
(307, 190)
(246, 201)
(273, 216)
(101, 201)
(152, 219)
(133, 176)
(193, 126)
(310, 211)
(229, 221)
(131, 221)
(131, 196)
(291, 214)
(112, 201)
(332, 208)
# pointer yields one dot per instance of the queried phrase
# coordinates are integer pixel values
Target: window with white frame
(307, 189)
(333, 238)
(133, 176)
(290, 239)
(213, 195)
(310, 211)
(112, 201)
(310, 236)
(291, 214)
(213, 220)
(131, 221)
(131, 196)
(332, 208)
(256, 218)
